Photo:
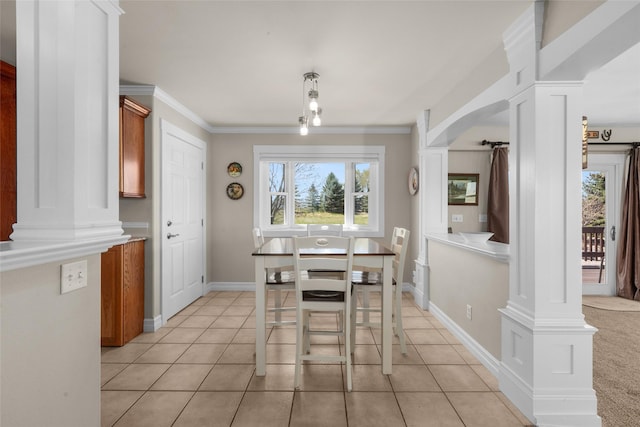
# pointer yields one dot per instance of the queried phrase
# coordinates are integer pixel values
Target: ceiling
(240, 63)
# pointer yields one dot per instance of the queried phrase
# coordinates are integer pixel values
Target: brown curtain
(628, 258)
(498, 200)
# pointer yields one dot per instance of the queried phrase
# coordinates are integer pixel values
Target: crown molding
(324, 130)
(156, 92)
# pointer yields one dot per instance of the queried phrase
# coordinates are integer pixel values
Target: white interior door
(595, 281)
(183, 228)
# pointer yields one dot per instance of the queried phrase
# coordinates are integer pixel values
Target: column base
(421, 285)
(546, 369)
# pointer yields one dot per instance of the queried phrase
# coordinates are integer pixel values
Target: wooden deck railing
(593, 244)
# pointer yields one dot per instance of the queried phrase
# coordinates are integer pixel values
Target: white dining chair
(277, 280)
(366, 280)
(324, 230)
(322, 294)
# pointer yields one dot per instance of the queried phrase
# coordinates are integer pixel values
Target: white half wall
(50, 354)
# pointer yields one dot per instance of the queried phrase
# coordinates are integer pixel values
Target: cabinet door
(133, 289)
(8, 168)
(132, 164)
(111, 297)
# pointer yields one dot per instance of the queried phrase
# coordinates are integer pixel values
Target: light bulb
(316, 119)
(313, 100)
(304, 128)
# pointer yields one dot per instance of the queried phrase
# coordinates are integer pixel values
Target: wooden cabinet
(8, 165)
(132, 117)
(122, 288)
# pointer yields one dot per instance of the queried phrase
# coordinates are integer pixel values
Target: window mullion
(290, 188)
(372, 195)
(348, 193)
(265, 196)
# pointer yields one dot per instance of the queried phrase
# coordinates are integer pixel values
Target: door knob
(169, 235)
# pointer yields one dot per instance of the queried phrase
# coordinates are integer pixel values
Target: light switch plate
(482, 218)
(457, 218)
(73, 276)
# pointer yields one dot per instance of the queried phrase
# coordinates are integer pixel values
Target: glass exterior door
(600, 198)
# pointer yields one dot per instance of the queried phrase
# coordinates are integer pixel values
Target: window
(299, 185)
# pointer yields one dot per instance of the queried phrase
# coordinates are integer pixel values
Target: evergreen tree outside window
(333, 196)
(593, 199)
(313, 198)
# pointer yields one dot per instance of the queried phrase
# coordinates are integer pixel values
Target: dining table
(368, 253)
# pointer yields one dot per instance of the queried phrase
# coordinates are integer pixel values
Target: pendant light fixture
(311, 111)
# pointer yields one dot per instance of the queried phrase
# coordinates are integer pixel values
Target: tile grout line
(270, 331)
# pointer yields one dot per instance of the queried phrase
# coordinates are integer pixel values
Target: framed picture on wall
(463, 189)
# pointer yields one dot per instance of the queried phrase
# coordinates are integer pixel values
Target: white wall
(471, 162)
(459, 277)
(467, 155)
(50, 355)
(229, 241)
(416, 232)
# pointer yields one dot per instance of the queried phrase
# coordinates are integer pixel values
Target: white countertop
(497, 251)
(30, 253)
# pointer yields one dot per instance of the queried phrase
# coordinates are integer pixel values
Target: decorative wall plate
(234, 169)
(235, 190)
(413, 181)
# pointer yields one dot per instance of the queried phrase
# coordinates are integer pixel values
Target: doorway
(183, 228)
(601, 189)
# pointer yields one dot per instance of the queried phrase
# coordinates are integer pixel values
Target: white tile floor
(198, 370)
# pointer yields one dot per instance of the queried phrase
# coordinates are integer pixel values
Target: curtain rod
(494, 143)
(634, 144)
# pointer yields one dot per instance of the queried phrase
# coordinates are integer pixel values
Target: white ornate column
(546, 367)
(434, 166)
(67, 121)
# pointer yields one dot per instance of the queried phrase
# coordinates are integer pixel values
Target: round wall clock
(413, 181)
(234, 169)
(235, 190)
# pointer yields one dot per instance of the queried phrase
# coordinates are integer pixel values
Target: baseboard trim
(152, 325)
(480, 353)
(418, 296)
(230, 286)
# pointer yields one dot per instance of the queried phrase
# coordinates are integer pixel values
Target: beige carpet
(616, 376)
(611, 303)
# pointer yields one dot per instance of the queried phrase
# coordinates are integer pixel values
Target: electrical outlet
(457, 218)
(468, 312)
(73, 276)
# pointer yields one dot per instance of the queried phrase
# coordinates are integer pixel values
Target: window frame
(349, 155)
